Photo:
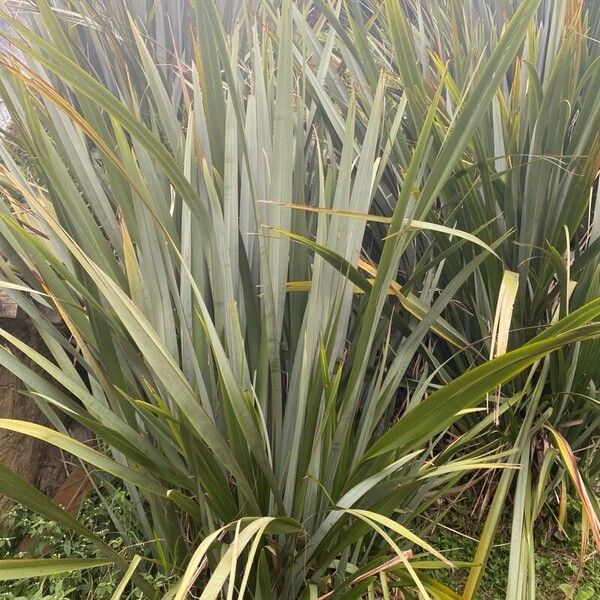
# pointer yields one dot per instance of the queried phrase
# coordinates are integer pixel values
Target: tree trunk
(23, 454)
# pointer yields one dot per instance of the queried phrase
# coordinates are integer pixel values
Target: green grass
(559, 571)
(50, 540)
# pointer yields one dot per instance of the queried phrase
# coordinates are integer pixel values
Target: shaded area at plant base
(557, 562)
(559, 574)
(52, 541)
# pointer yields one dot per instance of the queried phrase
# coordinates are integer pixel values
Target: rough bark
(20, 453)
(39, 463)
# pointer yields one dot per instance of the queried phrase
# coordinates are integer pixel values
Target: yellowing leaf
(570, 463)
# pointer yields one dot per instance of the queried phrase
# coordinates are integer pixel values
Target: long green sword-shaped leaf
(254, 527)
(410, 302)
(408, 223)
(440, 409)
(458, 138)
(496, 509)
(23, 568)
(16, 488)
(84, 452)
(82, 81)
(127, 577)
